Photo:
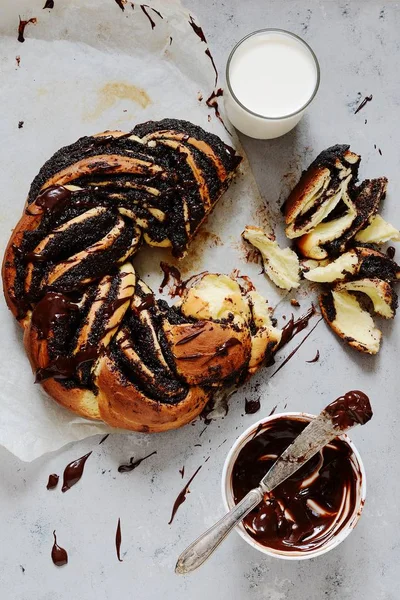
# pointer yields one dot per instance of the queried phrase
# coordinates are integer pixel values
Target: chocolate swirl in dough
(98, 340)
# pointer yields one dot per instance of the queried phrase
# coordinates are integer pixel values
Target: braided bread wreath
(97, 339)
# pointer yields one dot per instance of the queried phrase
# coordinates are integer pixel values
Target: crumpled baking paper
(86, 66)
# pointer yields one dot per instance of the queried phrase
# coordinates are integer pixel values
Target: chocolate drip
(109, 310)
(212, 102)
(252, 406)
(299, 514)
(59, 555)
(294, 351)
(50, 310)
(182, 496)
(53, 198)
(348, 410)
(143, 7)
(315, 359)
(363, 103)
(293, 327)
(66, 367)
(210, 56)
(223, 349)
(197, 29)
(147, 302)
(191, 336)
(73, 472)
(132, 465)
(52, 482)
(118, 540)
(21, 28)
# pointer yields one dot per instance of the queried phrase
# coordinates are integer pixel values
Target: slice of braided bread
(98, 340)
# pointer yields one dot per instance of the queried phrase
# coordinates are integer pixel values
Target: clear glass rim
(290, 34)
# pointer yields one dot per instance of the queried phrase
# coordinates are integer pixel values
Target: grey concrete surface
(358, 47)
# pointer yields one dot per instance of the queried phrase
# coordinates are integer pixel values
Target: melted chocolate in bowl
(307, 511)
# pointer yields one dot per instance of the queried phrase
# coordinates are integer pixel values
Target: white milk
(272, 76)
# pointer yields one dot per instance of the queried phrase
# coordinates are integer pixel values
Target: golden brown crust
(121, 404)
(214, 352)
(310, 182)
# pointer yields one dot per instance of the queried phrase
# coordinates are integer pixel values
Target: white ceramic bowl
(336, 539)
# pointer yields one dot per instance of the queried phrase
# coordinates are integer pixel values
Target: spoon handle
(204, 546)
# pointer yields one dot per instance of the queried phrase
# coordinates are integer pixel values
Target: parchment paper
(87, 66)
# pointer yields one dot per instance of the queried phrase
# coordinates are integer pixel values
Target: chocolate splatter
(59, 555)
(295, 349)
(182, 471)
(20, 124)
(197, 29)
(210, 56)
(52, 481)
(22, 568)
(363, 103)
(21, 28)
(391, 251)
(182, 496)
(18, 60)
(118, 540)
(315, 359)
(49, 4)
(202, 431)
(121, 4)
(132, 465)
(73, 472)
(103, 439)
(252, 406)
(257, 431)
(273, 410)
(295, 302)
(170, 39)
(380, 151)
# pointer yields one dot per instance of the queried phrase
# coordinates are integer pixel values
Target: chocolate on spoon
(337, 418)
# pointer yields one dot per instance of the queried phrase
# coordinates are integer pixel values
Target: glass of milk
(272, 76)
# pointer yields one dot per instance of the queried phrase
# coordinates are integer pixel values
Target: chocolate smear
(103, 439)
(20, 124)
(295, 302)
(120, 4)
(315, 359)
(191, 336)
(273, 410)
(348, 410)
(132, 465)
(210, 56)
(59, 555)
(53, 308)
(118, 540)
(21, 28)
(52, 481)
(18, 60)
(295, 349)
(363, 103)
(176, 286)
(182, 471)
(252, 406)
(197, 29)
(182, 496)
(391, 251)
(49, 4)
(73, 472)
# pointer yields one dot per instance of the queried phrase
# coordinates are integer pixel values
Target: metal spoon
(338, 417)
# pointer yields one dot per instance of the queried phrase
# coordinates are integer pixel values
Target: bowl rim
(289, 34)
(228, 504)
